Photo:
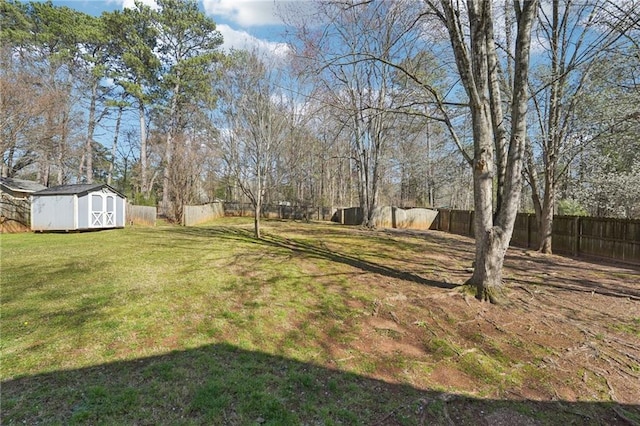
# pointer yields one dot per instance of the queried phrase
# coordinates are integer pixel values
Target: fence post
(575, 249)
(625, 233)
(578, 248)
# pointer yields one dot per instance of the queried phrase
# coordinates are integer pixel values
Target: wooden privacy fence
(276, 211)
(389, 217)
(601, 237)
(349, 216)
(141, 215)
(194, 215)
(15, 214)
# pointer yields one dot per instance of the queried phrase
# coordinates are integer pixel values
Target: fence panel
(565, 235)
(238, 209)
(522, 230)
(352, 216)
(194, 215)
(141, 215)
(461, 222)
(632, 242)
(444, 220)
(15, 214)
(276, 211)
(606, 238)
(611, 238)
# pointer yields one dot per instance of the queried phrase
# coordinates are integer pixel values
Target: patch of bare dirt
(450, 378)
(571, 331)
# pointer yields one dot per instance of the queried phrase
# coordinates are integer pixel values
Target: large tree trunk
(491, 247)
(166, 177)
(487, 273)
(498, 122)
(478, 72)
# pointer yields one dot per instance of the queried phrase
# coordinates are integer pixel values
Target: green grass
(71, 302)
(206, 325)
(633, 327)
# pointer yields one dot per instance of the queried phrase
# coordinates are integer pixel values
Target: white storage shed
(77, 207)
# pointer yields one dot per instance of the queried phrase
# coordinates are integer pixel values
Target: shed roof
(78, 189)
(20, 185)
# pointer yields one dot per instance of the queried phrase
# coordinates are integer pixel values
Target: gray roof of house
(20, 185)
(76, 189)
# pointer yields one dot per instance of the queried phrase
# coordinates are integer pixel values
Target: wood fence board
(141, 215)
(15, 214)
(607, 238)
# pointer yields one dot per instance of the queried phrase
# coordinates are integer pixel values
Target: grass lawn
(314, 324)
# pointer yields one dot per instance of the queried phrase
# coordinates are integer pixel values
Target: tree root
(496, 295)
(493, 295)
(620, 412)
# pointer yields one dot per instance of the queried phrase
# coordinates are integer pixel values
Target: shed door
(103, 210)
(110, 211)
(97, 207)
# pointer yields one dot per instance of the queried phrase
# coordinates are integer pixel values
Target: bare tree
(39, 42)
(496, 153)
(254, 125)
(20, 111)
(356, 88)
(579, 35)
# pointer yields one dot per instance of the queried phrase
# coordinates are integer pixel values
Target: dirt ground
(572, 324)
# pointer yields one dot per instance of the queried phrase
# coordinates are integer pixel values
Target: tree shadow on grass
(307, 249)
(514, 260)
(567, 274)
(29, 296)
(221, 384)
(587, 287)
(563, 273)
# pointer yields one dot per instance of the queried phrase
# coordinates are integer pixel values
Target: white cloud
(130, 4)
(247, 13)
(242, 40)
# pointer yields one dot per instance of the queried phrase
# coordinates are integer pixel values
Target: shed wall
(83, 212)
(53, 213)
(121, 208)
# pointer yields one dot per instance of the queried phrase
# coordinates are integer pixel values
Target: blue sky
(245, 24)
